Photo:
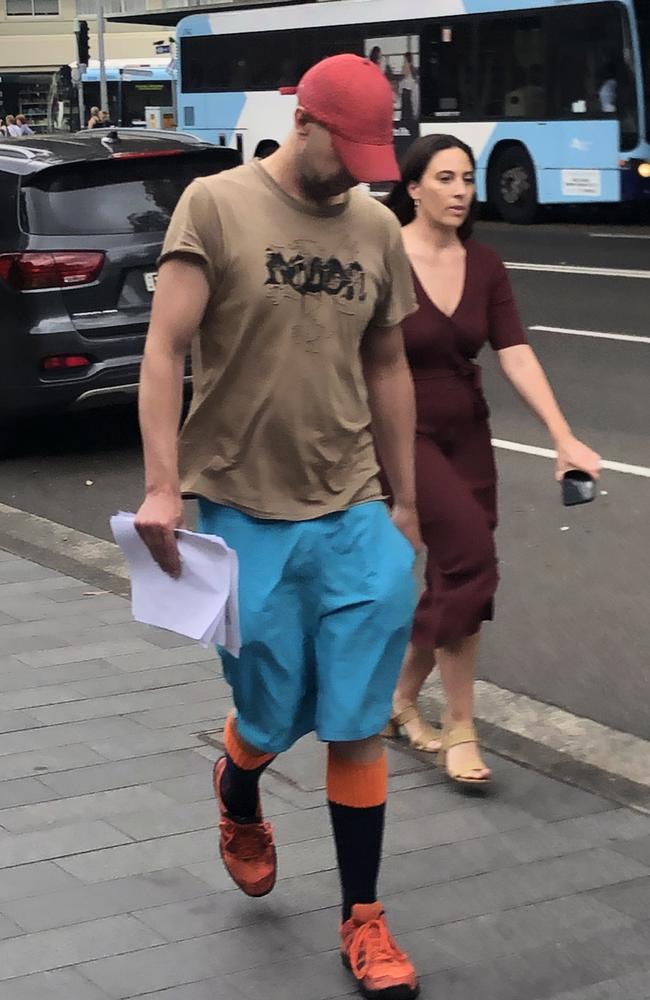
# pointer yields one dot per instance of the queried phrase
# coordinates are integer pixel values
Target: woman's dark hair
(413, 165)
(375, 54)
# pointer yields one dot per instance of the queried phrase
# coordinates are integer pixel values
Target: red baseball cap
(353, 100)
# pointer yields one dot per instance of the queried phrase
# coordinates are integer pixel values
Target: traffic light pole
(101, 52)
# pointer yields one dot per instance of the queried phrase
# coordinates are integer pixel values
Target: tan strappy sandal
(455, 736)
(425, 734)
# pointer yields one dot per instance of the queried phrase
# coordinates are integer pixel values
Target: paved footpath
(111, 885)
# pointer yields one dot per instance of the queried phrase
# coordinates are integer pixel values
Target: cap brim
(366, 162)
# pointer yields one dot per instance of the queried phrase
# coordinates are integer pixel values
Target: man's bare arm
(179, 303)
(392, 407)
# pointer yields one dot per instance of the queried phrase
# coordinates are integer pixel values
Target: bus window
(512, 67)
(592, 77)
(447, 71)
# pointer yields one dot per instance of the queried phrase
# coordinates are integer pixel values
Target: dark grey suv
(82, 219)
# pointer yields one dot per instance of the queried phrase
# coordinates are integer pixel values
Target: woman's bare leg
(457, 663)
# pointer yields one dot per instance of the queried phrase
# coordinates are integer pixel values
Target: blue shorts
(326, 608)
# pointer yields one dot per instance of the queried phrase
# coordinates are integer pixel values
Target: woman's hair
(375, 54)
(413, 165)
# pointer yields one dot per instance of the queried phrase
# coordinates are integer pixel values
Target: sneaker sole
(252, 895)
(401, 992)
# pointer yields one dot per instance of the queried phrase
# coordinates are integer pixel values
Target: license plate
(150, 279)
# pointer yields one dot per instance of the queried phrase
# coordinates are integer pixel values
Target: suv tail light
(26, 272)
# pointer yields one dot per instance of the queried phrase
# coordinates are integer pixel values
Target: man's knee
(358, 751)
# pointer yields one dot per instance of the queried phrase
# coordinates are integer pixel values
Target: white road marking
(631, 338)
(619, 236)
(601, 272)
(531, 449)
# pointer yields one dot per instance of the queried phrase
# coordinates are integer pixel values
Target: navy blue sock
(358, 834)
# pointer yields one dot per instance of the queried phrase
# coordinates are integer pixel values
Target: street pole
(80, 96)
(103, 87)
(174, 76)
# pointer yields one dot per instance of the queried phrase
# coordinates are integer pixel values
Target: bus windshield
(643, 24)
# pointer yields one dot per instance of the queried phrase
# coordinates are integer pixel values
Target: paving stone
(208, 989)
(124, 704)
(62, 736)
(119, 896)
(97, 805)
(508, 888)
(62, 842)
(317, 977)
(33, 697)
(148, 742)
(47, 645)
(13, 722)
(135, 859)
(638, 848)
(150, 657)
(634, 986)
(191, 788)
(201, 714)
(71, 945)
(169, 818)
(21, 571)
(87, 651)
(632, 898)
(22, 765)
(120, 774)
(146, 680)
(34, 879)
(605, 828)
(8, 929)
(64, 984)
(6, 619)
(187, 961)
(22, 791)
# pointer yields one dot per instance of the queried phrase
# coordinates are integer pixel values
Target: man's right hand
(157, 521)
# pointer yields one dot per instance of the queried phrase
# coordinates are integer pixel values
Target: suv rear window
(109, 197)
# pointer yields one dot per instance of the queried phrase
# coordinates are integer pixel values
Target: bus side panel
(575, 161)
(223, 117)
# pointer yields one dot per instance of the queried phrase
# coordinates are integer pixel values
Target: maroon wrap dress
(455, 470)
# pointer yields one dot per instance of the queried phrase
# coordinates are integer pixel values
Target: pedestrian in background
(297, 285)
(465, 300)
(3, 130)
(21, 122)
(13, 130)
(95, 119)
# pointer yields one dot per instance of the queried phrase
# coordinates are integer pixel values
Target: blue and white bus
(132, 85)
(553, 95)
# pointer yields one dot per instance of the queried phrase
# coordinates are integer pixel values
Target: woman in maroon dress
(465, 300)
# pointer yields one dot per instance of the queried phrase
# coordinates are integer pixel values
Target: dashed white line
(601, 272)
(530, 449)
(619, 236)
(631, 338)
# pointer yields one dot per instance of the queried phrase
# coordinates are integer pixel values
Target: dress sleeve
(397, 298)
(504, 325)
(195, 231)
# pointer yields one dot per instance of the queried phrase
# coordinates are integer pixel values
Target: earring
(416, 202)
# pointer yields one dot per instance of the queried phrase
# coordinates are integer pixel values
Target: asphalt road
(572, 625)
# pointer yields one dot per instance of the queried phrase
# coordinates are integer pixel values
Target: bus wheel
(265, 147)
(512, 186)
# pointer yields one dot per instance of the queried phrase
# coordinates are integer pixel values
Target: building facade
(37, 38)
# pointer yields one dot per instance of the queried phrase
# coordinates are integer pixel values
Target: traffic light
(65, 80)
(83, 43)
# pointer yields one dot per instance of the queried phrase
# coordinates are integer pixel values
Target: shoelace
(251, 838)
(373, 939)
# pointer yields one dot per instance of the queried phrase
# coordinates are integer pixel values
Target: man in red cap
(291, 287)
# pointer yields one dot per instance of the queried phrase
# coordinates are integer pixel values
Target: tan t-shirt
(279, 424)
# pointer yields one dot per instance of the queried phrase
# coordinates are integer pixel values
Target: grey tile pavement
(110, 883)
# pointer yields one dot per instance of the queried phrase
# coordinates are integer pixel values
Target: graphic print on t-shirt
(315, 280)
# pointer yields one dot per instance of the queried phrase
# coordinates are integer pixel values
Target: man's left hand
(406, 520)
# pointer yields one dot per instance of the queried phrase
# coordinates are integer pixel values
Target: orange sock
(237, 750)
(358, 785)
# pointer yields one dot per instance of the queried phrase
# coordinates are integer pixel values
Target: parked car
(82, 219)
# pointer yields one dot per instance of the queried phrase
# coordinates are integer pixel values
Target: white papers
(201, 603)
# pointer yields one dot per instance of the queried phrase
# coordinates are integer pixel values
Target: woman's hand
(573, 454)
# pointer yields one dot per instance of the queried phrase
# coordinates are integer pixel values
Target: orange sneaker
(247, 849)
(381, 970)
